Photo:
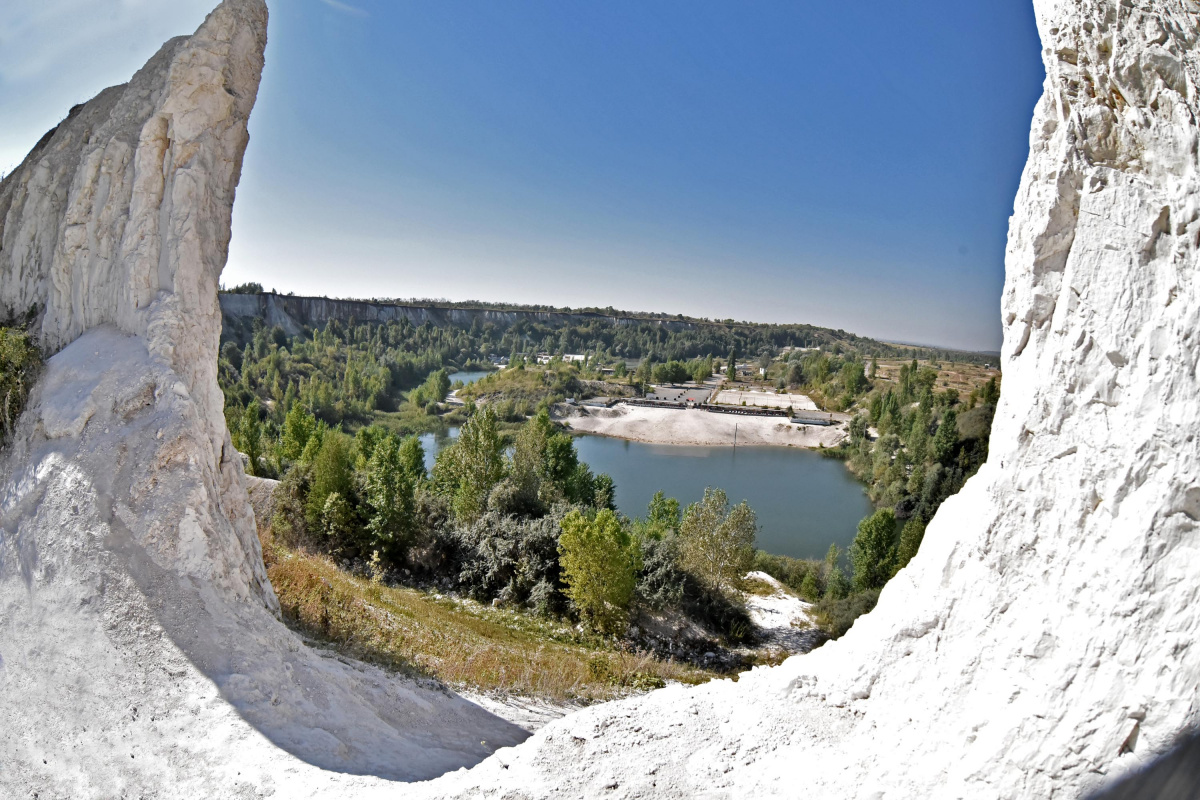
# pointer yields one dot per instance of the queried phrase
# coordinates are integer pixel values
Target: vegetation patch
(20, 362)
(460, 642)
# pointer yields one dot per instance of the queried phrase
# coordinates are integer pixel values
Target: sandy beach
(694, 426)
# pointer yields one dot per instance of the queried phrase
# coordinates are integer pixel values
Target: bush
(835, 617)
(511, 560)
(599, 565)
(19, 364)
(661, 583)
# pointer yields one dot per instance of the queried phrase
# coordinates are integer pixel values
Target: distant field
(962, 377)
(735, 397)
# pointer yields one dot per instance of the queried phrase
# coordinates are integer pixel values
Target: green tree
(412, 458)
(249, 437)
(873, 552)
(391, 500)
(910, 541)
(604, 492)
(332, 471)
(467, 470)
(599, 564)
(664, 512)
(990, 394)
(946, 437)
(716, 541)
(298, 428)
(337, 518)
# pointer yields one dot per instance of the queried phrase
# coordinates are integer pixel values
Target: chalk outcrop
(140, 653)
(1042, 641)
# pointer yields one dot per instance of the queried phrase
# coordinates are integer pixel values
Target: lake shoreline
(696, 427)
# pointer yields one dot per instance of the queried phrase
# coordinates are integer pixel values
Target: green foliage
(337, 517)
(20, 362)
(946, 438)
(805, 576)
(511, 560)
(331, 473)
(298, 427)
(433, 390)
(599, 566)
(910, 541)
(466, 471)
(412, 458)
(873, 552)
(245, 430)
(716, 541)
(835, 615)
(391, 500)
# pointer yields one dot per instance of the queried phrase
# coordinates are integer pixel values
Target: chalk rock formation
(1044, 639)
(139, 649)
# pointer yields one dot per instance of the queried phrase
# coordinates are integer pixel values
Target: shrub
(511, 560)
(795, 573)
(835, 617)
(661, 583)
(19, 364)
(716, 541)
(599, 567)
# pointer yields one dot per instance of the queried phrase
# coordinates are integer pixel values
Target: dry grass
(962, 377)
(462, 643)
(758, 586)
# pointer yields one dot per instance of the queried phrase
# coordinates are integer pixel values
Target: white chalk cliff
(140, 654)
(1042, 642)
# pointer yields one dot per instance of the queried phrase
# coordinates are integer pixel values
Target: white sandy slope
(696, 427)
(135, 657)
(781, 616)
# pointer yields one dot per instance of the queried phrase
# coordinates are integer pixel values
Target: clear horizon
(852, 168)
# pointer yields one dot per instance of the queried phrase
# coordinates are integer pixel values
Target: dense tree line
(928, 444)
(512, 519)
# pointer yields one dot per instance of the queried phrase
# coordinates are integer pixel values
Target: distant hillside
(625, 333)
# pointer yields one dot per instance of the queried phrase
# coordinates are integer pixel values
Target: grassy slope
(462, 643)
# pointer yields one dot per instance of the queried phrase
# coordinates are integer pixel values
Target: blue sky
(849, 165)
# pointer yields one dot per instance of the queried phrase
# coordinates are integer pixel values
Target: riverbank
(697, 427)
